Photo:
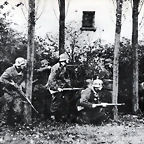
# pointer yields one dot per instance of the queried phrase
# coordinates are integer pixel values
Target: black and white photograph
(71, 71)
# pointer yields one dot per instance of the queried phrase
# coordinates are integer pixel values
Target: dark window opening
(88, 21)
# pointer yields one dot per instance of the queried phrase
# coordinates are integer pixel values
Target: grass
(128, 130)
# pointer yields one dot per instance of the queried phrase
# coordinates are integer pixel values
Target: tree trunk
(116, 57)
(135, 98)
(62, 26)
(30, 59)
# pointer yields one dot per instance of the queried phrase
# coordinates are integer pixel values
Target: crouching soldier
(11, 101)
(88, 112)
(58, 79)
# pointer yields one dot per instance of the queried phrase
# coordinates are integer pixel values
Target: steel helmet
(63, 57)
(98, 83)
(20, 61)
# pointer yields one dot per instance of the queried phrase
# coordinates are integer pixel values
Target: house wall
(48, 21)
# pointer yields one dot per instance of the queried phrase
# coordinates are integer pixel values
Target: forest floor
(128, 130)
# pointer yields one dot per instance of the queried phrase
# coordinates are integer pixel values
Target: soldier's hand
(60, 89)
(94, 105)
(14, 84)
(49, 67)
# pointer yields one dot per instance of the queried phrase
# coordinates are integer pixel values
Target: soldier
(12, 78)
(57, 80)
(41, 98)
(88, 110)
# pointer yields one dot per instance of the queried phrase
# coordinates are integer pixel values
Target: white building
(49, 11)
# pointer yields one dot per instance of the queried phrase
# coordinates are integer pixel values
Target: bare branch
(141, 23)
(44, 6)
(24, 14)
(141, 3)
(54, 10)
(67, 7)
(37, 7)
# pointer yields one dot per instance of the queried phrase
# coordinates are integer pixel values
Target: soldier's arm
(52, 80)
(84, 100)
(43, 69)
(6, 77)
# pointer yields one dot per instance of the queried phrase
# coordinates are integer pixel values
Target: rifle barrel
(111, 104)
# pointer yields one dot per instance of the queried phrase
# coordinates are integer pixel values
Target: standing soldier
(56, 82)
(88, 112)
(41, 97)
(11, 79)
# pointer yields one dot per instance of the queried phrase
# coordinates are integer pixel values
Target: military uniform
(58, 78)
(41, 95)
(88, 114)
(11, 100)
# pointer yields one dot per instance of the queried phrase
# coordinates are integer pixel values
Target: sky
(48, 13)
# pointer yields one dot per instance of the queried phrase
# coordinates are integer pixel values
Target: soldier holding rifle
(90, 109)
(87, 105)
(41, 95)
(12, 78)
(58, 80)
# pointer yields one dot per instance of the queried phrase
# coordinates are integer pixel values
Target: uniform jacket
(88, 97)
(57, 77)
(12, 75)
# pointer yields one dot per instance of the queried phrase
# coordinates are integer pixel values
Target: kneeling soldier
(87, 105)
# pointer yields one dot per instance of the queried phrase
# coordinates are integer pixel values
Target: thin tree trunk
(116, 57)
(62, 26)
(135, 98)
(30, 59)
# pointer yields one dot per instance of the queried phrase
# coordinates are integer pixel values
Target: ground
(128, 130)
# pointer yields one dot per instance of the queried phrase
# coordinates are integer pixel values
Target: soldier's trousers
(59, 104)
(12, 108)
(94, 116)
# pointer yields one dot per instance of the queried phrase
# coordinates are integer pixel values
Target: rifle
(44, 68)
(79, 108)
(74, 65)
(110, 104)
(24, 96)
(65, 89)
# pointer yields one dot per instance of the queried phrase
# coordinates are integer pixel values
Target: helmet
(20, 61)
(63, 57)
(98, 84)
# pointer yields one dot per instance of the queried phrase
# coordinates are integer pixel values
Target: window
(88, 21)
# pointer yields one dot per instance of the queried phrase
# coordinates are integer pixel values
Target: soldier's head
(20, 63)
(63, 59)
(44, 63)
(97, 84)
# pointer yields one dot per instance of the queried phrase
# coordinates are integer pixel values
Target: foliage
(87, 54)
